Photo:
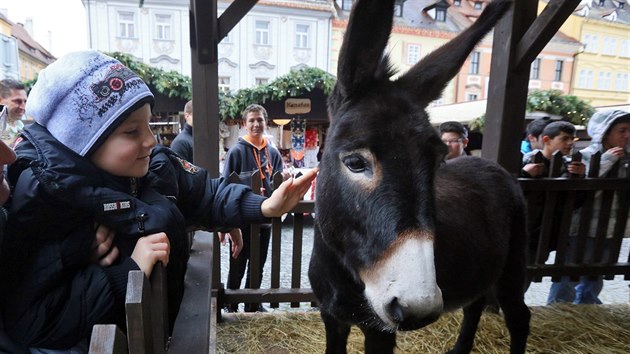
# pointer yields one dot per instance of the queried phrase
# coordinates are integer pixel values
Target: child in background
(557, 136)
(94, 197)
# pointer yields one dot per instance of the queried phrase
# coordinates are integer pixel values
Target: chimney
(28, 26)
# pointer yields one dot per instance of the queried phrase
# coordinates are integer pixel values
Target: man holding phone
(13, 96)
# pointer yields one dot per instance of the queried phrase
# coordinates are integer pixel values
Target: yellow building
(602, 67)
(32, 56)
(8, 48)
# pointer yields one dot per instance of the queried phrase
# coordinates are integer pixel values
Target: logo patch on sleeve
(187, 166)
(116, 206)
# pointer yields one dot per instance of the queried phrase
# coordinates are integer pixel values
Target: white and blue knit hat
(82, 95)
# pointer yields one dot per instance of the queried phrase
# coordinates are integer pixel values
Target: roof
(602, 12)
(27, 45)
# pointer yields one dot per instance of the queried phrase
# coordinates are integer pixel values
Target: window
(261, 81)
(457, 3)
(163, 26)
(227, 38)
(603, 81)
(440, 14)
(534, 71)
(471, 97)
(346, 5)
(413, 53)
(590, 41)
(621, 83)
(262, 32)
(474, 63)
(625, 48)
(224, 83)
(601, 2)
(609, 46)
(620, 5)
(126, 24)
(398, 9)
(585, 79)
(478, 5)
(557, 76)
(301, 36)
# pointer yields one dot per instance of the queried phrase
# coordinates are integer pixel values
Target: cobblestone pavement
(615, 291)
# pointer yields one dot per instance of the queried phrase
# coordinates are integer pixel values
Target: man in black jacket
(183, 142)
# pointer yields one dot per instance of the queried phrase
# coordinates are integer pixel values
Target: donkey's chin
(417, 323)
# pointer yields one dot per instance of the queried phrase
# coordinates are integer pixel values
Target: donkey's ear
(431, 75)
(363, 44)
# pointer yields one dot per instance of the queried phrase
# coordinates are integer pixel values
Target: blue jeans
(585, 291)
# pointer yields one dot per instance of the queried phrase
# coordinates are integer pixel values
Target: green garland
(571, 108)
(231, 104)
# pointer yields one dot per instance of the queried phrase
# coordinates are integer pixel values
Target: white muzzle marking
(405, 273)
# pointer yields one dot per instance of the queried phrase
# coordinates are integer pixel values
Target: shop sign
(297, 105)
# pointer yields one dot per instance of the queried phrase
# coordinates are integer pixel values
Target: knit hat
(84, 95)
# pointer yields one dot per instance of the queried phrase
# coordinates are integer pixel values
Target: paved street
(615, 291)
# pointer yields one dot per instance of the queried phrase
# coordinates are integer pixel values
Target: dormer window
(346, 5)
(478, 5)
(440, 14)
(620, 5)
(457, 3)
(601, 2)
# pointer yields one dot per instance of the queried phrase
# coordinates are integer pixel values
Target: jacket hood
(601, 121)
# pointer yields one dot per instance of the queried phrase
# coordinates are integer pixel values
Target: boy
(557, 136)
(533, 140)
(455, 136)
(94, 197)
(252, 153)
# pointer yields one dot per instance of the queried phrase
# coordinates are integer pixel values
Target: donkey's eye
(355, 163)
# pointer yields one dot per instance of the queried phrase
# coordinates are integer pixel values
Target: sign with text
(297, 105)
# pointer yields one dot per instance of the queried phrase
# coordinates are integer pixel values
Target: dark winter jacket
(241, 158)
(51, 292)
(183, 143)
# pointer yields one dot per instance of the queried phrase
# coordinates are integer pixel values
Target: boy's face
(255, 124)
(455, 144)
(619, 136)
(127, 150)
(563, 142)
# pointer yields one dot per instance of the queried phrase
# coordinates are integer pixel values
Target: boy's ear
(545, 139)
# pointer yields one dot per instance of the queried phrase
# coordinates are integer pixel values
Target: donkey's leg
(510, 293)
(377, 342)
(472, 314)
(336, 334)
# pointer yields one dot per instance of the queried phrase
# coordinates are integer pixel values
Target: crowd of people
(92, 196)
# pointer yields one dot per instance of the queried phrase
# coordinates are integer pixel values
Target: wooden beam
(505, 113)
(542, 30)
(232, 15)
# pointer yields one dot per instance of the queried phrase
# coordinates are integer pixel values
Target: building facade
(272, 39)
(8, 50)
(602, 65)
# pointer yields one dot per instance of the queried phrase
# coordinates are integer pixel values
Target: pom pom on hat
(82, 95)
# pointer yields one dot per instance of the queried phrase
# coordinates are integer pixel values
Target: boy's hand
(616, 151)
(104, 252)
(237, 241)
(534, 169)
(150, 250)
(287, 195)
(576, 168)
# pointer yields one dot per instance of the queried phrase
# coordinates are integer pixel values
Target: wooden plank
(296, 263)
(159, 308)
(138, 309)
(107, 339)
(577, 184)
(270, 295)
(542, 31)
(192, 326)
(232, 15)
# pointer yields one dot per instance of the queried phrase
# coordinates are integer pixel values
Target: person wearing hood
(252, 153)
(610, 135)
(94, 197)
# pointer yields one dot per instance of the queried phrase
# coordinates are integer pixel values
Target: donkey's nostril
(395, 311)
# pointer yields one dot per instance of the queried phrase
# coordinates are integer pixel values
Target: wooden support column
(518, 38)
(507, 91)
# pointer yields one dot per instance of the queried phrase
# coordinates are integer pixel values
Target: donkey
(401, 236)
